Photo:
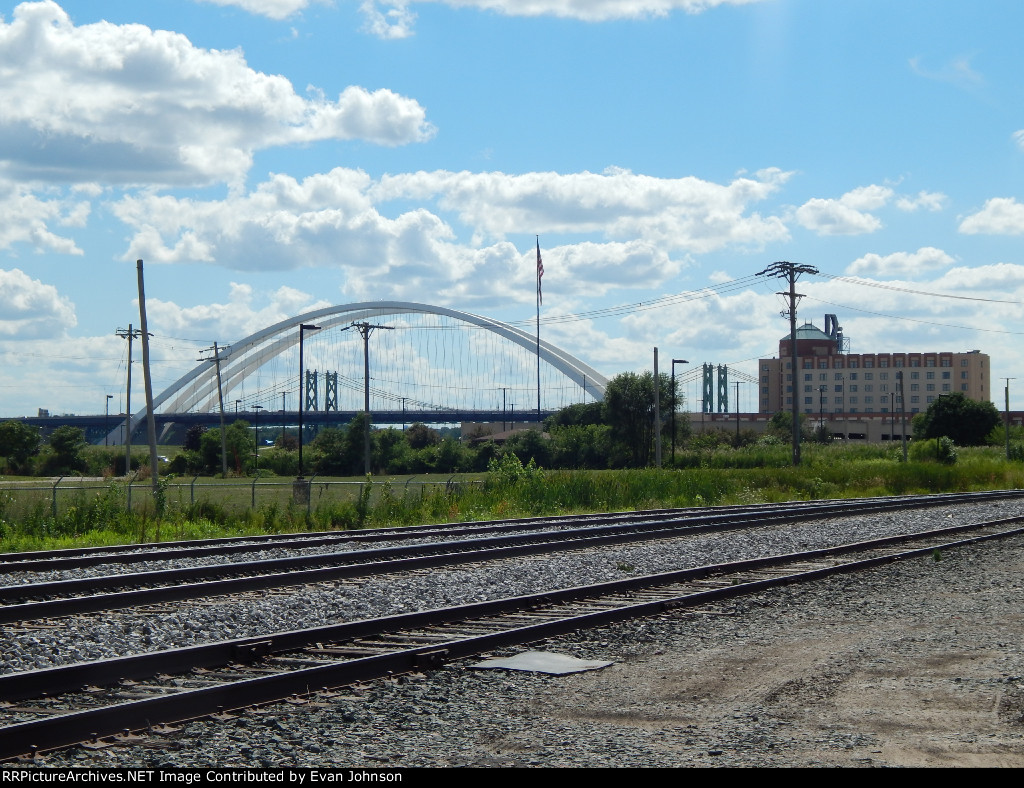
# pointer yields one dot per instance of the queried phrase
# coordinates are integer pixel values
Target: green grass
(96, 513)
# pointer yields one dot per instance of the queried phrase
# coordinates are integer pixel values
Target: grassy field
(36, 514)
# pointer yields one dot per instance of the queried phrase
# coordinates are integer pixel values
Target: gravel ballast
(918, 663)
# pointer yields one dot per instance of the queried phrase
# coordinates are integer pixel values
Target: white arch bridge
(423, 359)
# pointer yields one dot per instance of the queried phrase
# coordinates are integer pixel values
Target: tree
(420, 436)
(18, 442)
(628, 409)
(966, 422)
(241, 445)
(193, 438)
(67, 444)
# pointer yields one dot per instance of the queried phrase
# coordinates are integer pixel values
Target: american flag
(540, 272)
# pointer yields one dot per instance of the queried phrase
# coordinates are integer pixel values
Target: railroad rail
(47, 600)
(140, 692)
(70, 558)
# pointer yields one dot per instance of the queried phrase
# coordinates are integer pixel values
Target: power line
(881, 286)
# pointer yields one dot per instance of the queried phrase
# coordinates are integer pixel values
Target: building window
(824, 400)
(853, 363)
(853, 376)
(883, 375)
(789, 389)
(838, 376)
(931, 399)
(808, 364)
(945, 375)
(853, 387)
(822, 376)
(869, 400)
(884, 387)
(807, 376)
(869, 362)
(837, 363)
(915, 398)
(869, 387)
(930, 375)
(929, 362)
(869, 376)
(945, 387)
(883, 362)
(807, 389)
(838, 388)
(930, 387)
(898, 362)
(915, 375)
(915, 362)
(808, 400)
(764, 368)
(946, 362)
(823, 364)
(963, 376)
(789, 400)
(853, 410)
(913, 387)
(963, 362)
(963, 387)
(853, 401)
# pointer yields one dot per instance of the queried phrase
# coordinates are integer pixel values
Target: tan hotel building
(863, 385)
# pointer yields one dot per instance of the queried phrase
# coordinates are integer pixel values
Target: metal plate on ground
(542, 662)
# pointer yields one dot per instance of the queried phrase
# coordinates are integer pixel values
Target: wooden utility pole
(791, 272)
(150, 417)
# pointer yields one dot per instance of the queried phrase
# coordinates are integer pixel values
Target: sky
(270, 157)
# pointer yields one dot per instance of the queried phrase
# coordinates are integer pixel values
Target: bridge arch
(197, 389)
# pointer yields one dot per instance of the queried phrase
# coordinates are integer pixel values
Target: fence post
(192, 491)
(53, 506)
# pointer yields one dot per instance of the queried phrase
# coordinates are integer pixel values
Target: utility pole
(1008, 416)
(150, 416)
(220, 397)
(791, 272)
(365, 329)
(130, 334)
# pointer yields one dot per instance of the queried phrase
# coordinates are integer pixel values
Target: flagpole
(540, 273)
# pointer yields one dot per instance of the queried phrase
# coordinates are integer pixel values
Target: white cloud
(337, 220)
(30, 309)
(957, 72)
(274, 9)
(999, 216)
(849, 215)
(391, 23)
(124, 103)
(27, 216)
(900, 263)
(244, 313)
(583, 10)
(675, 213)
(930, 201)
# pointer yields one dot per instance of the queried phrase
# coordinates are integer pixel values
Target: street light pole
(303, 328)
(106, 419)
(674, 402)
(256, 424)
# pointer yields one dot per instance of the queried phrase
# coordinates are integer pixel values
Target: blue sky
(265, 157)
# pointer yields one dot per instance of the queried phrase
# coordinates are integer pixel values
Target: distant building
(831, 383)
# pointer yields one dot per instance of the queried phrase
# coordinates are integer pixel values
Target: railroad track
(47, 709)
(47, 600)
(74, 558)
